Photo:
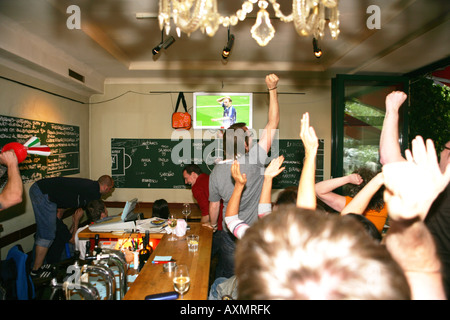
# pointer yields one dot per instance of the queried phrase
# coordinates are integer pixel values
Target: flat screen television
(216, 111)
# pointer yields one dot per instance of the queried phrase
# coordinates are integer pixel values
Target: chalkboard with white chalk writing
(63, 141)
(294, 153)
(158, 163)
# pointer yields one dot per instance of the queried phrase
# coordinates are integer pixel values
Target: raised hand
(308, 136)
(394, 100)
(240, 179)
(274, 168)
(272, 81)
(413, 185)
(8, 158)
(355, 178)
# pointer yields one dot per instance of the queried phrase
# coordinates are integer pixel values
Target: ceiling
(113, 45)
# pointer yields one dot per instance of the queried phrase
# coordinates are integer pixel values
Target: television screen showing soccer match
(220, 110)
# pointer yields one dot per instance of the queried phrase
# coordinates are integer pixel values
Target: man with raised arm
(252, 158)
(438, 218)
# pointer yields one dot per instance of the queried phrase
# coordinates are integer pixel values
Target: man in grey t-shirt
(237, 146)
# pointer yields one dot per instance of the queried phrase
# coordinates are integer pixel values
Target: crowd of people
(299, 250)
(312, 243)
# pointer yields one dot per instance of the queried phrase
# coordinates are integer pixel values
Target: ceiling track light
(317, 50)
(227, 49)
(164, 44)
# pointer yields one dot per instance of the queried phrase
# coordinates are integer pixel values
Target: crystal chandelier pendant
(263, 31)
(308, 17)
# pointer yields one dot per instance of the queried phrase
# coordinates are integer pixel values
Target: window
(358, 108)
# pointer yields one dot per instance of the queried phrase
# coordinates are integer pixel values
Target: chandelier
(310, 17)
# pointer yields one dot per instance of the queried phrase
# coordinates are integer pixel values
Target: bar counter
(152, 279)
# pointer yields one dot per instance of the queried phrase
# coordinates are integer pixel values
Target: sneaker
(43, 272)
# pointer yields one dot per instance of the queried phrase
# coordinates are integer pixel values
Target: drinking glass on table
(181, 279)
(172, 223)
(192, 241)
(186, 211)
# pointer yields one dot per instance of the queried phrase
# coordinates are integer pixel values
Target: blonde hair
(300, 254)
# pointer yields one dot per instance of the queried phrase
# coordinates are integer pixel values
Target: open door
(358, 109)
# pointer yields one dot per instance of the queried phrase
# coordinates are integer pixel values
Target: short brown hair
(234, 140)
(106, 180)
(301, 254)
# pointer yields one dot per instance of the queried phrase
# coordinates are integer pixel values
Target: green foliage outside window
(429, 113)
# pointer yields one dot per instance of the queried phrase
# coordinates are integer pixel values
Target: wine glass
(181, 279)
(172, 223)
(186, 211)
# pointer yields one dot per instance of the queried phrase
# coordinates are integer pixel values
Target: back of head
(106, 180)
(301, 254)
(367, 174)
(94, 209)
(160, 209)
(235, 140)
(287, 196)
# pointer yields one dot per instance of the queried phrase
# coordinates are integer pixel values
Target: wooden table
(152, 279)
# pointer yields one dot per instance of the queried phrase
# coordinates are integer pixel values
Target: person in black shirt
(438, 222)
(63, 237)
(49, 195)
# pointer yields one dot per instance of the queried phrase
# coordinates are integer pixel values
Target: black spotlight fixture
(317, 50)
(227, 49)
(157, 49)
(168, 42)
(164, 44)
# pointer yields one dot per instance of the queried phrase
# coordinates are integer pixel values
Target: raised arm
(234, 224)
(411, 188)
(273, 169)
(265, 200)
(362, 199)
(324, 190)
(13, 190)
(389, 144)
(265, 141)
(306, 196)
(239, 184)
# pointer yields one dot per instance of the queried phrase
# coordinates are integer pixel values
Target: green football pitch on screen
(207, 108)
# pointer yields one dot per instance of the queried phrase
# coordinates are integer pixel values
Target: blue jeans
(213, 290)
(216, 249)
(227, 254)
(45, 215)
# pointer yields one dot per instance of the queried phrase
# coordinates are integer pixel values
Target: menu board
(158, 163)
(63, 141)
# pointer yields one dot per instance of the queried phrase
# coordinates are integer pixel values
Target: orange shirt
(378, 218)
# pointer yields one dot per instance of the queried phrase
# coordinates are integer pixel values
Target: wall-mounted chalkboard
(63, 140)
(158, 163)
(294, 153)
